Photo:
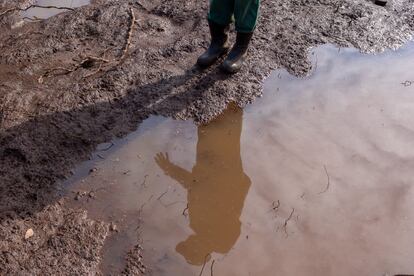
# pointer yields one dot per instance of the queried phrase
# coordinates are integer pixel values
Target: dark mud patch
(49, 126)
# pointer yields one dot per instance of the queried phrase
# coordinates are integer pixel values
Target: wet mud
(312, 179)
(70, 83)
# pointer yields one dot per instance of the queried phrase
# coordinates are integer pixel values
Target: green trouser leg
(245, 13)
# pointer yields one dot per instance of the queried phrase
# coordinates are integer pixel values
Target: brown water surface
(315, 178)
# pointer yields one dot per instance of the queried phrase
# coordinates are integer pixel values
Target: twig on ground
(50, 71)
(89, 61)
(85, 63)
(329, 181)
(129, 37)
(94, 72)
(93, 58)
(100, 65)
(8, 11)
(126, 49)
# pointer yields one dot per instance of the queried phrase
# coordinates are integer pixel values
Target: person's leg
(219, 18)
(246, 14)
(221, 11)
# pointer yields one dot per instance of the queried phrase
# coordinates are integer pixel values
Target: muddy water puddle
(43, 13)
(315, 178)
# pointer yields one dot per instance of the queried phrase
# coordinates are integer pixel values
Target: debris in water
(204, 264)
(185, 211)
(105, 146)
(212, 266)
(328, 183)
(286, 222)
(407, 83)
(275, 206)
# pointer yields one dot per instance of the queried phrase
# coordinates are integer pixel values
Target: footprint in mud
(217, 187)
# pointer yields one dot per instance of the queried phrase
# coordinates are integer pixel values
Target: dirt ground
(83, 77)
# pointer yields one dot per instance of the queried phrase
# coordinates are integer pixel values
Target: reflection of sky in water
(347, 75)
(45, 13)
(352, 116)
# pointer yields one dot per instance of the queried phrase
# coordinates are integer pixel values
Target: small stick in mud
(184, 211)
(126, 49)
(329, 181)
(211, 268)
(129, 37)
(8, 11)
(144, 182)
(89, 61)
(34, 6)
(85, 63)
(287, 221)
(50, 71)
(100, 157)
(163, 194)
(205, 261)
(100, 65)
(34, 19)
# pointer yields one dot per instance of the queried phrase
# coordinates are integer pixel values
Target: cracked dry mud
(48, 127)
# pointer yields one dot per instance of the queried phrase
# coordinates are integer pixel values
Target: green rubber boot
(218, 46)
(235, 60)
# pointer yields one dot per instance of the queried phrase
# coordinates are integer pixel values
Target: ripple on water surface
(315, 178)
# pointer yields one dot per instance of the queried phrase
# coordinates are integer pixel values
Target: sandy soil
(53, 118)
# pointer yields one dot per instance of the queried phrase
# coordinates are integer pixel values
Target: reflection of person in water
(217, 188)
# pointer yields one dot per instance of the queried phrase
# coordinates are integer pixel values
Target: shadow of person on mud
(217, 187)
(41, 152)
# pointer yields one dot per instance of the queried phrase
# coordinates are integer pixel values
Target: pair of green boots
(219, 47)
